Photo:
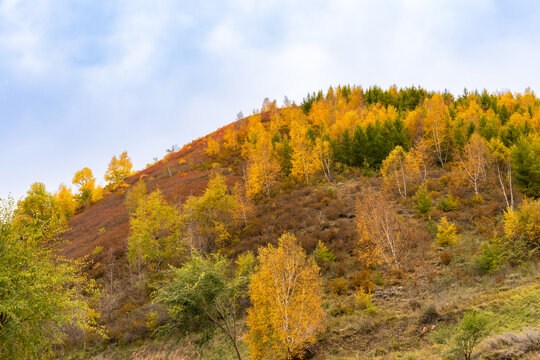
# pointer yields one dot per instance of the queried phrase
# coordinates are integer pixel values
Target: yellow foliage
(305, 162)
(286, 296)
(212, 147)
(446, 234)
(65, 200)
(119, 169)
(230, 140)
(263, 167)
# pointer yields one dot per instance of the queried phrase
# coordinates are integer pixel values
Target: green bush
(448, 203)
(323, 255)
(423, 201)
(488, 260)
(469, 331)
(364, 301)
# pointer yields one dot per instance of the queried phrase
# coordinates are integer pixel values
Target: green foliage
(203, 295)
(245, 264)
(446, 234)
(364, 301)
(40, 292)
(37, 215)
(526, 161)
(469, 332)
(207, 220)
(323, 255)
(135, 195)
(448, 203)
(402, 99)
(154, 232)
(489, 259)
(423, 201)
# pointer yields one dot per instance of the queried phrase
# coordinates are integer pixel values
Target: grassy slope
(326, 212)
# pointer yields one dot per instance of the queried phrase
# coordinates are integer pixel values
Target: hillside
(408, 220)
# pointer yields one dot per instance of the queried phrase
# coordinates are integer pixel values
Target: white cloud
(164, 72)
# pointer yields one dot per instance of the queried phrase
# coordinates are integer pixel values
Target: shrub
(338, 286)
(513, 346)
(423, 201)
(448, 203)
(445, 257)
(446, 234)
(363, 301)
(429, 314)
(488, 260)
(470, 330)
(323, 255)
(521, 239)
(362, 280)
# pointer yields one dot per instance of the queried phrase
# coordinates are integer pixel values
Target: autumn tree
(40, 291)
(436, 127)
(473, 162)
(119, 169)
(207, 220)
(500, 157)
(37, 215)
(286, 298)
(305, 159)
(393, 171)
(420, 159)
(65, 201)
(154, 235)
(212, 147)
(88, 192)
(323, 150)
(205, 293)
(230, 139)
(383, 236)
(263, 166)
(244, 207)
(135, 195)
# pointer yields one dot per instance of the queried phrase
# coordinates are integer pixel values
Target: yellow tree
(473, 162)
(65, 201)
(212, 147)
(420, 160)
(207, 220)
(305, 162)
(393, 171)
(500, 157)
(436, 123)
(382, 234)
(119, 169)
(323, 150)
(87, 185)
(154, 232)
(286, 298)
(230, 140)
(263, 166)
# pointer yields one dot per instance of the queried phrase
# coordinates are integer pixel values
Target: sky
(81, 81)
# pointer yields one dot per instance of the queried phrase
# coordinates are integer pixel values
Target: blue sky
(81, 81)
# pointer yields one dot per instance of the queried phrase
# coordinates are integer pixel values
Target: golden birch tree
(286, 296)
(305, 162)
(393, 171)
(263, 166)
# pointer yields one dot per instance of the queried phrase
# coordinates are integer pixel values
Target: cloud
(82, 81)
